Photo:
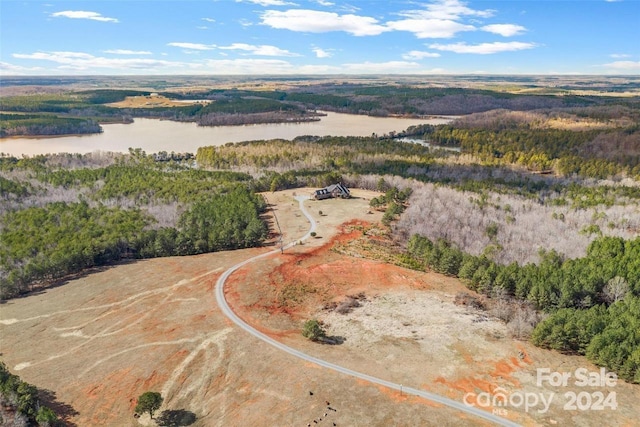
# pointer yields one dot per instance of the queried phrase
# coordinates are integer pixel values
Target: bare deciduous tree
(615, 289)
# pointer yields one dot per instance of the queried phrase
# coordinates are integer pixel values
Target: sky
(255, 37)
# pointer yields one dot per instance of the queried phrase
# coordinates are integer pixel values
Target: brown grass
(155, 101)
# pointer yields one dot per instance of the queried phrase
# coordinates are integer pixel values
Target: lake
(154, 135)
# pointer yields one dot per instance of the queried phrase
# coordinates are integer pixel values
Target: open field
(101, 340)
(151, 101)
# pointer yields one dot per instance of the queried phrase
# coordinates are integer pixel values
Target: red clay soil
(311, 278)
(501, 374)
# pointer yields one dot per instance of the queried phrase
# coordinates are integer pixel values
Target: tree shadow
(176, 418)
(333, 340)
(64, 411)
(42, 287)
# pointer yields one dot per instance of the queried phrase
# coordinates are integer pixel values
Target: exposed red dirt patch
(275, 297)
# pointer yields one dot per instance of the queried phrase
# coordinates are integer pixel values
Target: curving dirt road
(226, 309)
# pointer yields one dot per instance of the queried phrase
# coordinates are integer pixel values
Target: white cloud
(619, 55)
(439, 19)
(452, 10)
(127, 52)
(391, 67)
(313, 21)
(624, 65)
(505, 30)
(322, 53)
(263, 50)
(202, 27)
(8, 69)
(430, 28)
(325, 3)
(81, 14)
(266, 3)
(209, 19)
(417, 55)
(81, 61)
(483, 48)
(192, 46)
(58, 56)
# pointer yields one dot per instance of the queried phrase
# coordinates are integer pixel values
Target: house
(335, 191)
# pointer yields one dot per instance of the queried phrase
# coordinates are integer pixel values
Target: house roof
(331, 188)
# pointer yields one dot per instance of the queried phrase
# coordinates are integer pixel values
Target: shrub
(313, 330)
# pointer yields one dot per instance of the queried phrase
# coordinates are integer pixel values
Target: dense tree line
(593, 301)
(386, 100)
(42, 103)
(235, 119)
(143, 182)
(608, 336)
(242, 105)
(93, 210)
(22, 399)
(221, 222)
(41, 124)
(590, 153)
(10, 187)
(329, 153)
(108, 96)
(44, 243)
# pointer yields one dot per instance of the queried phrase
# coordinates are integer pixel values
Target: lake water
(162, 135)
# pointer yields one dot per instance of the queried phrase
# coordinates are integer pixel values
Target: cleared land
(101, 340)
(151, 101)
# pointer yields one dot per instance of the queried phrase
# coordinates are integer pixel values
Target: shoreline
(315, 118)
(154, 134)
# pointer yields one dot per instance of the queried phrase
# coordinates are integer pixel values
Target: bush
(313, 330)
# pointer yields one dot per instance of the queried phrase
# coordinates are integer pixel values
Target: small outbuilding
(338, 190)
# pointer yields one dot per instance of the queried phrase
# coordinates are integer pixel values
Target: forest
(44, 124)
(65, 220)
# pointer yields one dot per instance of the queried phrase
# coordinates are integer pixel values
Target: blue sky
(212, 37)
